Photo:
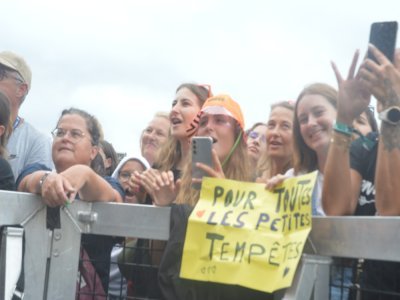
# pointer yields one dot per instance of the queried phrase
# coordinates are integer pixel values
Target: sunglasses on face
(255, 135)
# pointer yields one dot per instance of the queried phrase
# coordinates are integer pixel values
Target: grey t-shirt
(26, 146)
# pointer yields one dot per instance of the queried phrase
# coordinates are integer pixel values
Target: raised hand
(215, 171)
(383, 78)
(354, 95)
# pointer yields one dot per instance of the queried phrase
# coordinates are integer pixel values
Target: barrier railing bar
(330, 236)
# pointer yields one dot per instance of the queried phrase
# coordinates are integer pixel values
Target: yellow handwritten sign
(240, 233)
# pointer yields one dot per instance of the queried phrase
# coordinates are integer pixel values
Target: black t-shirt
(363, 156)
(377, 275)
(7, 181)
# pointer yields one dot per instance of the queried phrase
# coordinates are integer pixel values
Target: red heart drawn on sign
(200, 213)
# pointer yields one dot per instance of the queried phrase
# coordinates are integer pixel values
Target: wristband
(42, 180)
(343, 128)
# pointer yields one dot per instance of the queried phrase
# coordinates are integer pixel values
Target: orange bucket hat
(224, 105)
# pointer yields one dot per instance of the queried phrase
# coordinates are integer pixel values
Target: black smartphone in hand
(201, 152)
(383, 36)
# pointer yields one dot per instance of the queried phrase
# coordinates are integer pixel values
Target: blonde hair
(161, 114)
(237, 167)
(264, 166)
(169, 154)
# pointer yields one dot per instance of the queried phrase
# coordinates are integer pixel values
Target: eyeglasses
(124, 176)
(255, 135)
(4, 73)
(75, 135)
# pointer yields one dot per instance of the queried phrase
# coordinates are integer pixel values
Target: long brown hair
(237, 167)
(171, 153)
(305, 159)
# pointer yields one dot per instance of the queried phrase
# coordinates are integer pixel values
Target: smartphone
(201, 152)
(383, 36)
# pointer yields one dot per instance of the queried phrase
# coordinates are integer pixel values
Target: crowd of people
(329, 130)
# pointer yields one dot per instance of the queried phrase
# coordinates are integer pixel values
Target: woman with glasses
(118, 286)
(125, 170)
(75, 145)
(256, 142)
(6, 175)
(279, 139)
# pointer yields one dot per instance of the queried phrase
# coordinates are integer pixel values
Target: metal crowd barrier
(375, 238)
(51, 256)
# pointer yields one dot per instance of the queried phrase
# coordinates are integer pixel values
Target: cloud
(122, 60)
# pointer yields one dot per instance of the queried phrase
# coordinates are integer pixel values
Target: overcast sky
(122, 60)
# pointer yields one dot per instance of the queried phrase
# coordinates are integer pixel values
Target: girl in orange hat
(222, 120)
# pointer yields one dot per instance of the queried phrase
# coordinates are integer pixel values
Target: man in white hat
(26, 145)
